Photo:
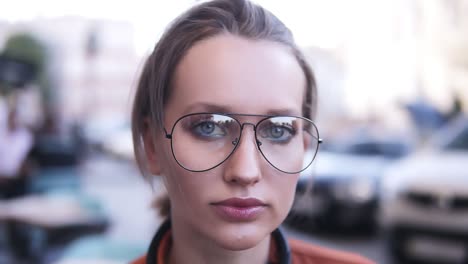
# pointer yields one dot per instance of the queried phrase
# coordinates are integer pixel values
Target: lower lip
(235, 214)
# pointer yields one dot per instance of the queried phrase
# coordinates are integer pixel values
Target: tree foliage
(25, 47)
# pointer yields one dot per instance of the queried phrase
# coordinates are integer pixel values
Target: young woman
(223, 114)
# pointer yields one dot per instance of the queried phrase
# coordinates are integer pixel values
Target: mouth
(239, 209)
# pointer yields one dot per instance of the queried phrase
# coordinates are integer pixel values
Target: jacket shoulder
(140, 260)
(305, 253)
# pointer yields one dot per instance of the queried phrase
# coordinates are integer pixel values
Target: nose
(243, 167)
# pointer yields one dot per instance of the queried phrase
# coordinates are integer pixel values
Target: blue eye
(208, 129)
(277, 133)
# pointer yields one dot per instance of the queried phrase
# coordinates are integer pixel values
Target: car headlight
(362, 190)
(357, 190)
(391, 188)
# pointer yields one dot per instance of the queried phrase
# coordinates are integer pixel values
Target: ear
(149, 142)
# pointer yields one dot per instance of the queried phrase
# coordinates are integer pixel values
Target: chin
(239, 244)
(239, 240)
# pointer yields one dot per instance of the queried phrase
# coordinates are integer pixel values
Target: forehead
(237, 75)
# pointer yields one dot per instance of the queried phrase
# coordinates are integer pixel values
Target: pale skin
(228, 73)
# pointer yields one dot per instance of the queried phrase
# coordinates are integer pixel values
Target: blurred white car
(424, 200)
(340, 189)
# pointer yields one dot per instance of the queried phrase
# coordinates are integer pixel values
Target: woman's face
(231, 74)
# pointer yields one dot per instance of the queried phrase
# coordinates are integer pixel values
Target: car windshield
(460, 142)
(454, 136)
(371, 148)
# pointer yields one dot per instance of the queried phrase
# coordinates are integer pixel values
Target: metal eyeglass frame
(236, 143)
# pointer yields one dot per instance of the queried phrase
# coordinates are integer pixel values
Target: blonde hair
(237, 17)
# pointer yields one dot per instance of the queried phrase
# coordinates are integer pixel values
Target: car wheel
(369, 227)
(396, 243)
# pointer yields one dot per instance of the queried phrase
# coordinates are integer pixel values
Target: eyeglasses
(203, 141)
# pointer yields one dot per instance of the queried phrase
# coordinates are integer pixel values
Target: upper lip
(241, 202)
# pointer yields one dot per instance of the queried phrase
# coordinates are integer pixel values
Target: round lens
(203, 141)
(288, 143)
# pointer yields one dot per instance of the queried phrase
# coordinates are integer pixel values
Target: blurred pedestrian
(16, 143)
(223, 114)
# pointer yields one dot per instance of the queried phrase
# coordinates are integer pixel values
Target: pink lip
(239, 209)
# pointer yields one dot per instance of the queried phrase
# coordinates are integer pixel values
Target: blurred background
(390, 182)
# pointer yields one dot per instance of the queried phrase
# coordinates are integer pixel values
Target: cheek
(291, 190)
(284, 190)
(185, 189)
(171, 173)
(176, 180)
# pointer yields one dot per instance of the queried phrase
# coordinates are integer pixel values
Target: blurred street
(124, 198)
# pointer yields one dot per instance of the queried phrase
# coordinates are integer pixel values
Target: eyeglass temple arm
(168, 136)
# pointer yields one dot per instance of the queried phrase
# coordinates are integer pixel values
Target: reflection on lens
(290, 147)
(276, 131)
(203, 141)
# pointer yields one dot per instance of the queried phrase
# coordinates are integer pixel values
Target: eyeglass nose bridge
(242, 125)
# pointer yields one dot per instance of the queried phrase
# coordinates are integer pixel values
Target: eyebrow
(206, 107)
(214, 108)
(285, 112)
